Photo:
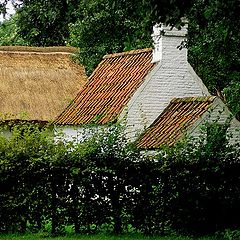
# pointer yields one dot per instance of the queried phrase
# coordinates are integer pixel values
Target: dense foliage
(105, 184)
(9, 33)
(214, 47)
(110, 26)
(45, 23)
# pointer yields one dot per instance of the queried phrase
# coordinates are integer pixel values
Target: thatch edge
(24, 49)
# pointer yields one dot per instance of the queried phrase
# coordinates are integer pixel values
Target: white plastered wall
(217, 113)
(77, 133)
(73, 133)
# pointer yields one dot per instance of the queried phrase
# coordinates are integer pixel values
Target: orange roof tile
(179, 115)
(109, 88)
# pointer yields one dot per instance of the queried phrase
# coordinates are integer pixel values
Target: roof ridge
(194, 99)
(131, 52)
(35, 53)
(31, 49)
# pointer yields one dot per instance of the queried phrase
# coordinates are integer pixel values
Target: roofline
(217, 101)
(190, 129)
(194, 99)
(35, 53)
(16, 121)
(39, 50)
(132, 52)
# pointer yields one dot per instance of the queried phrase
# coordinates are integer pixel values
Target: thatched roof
(37, 83)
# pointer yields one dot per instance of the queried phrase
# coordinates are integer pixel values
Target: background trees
(110, 26)
(44, 23)
(214, 47)
(9, 33)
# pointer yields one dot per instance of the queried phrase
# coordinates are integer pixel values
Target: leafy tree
(214, 47)
(45, 23)
(107, 26)
(170, 12)
(8, 33)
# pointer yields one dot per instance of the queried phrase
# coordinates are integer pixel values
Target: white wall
(77, 133)
(217, 113)
(72, 133)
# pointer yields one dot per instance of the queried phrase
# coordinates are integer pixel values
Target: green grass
(96, 237)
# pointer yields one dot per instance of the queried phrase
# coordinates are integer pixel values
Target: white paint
(72, 133)
(78, 133)
(160, 32)
(217, 113)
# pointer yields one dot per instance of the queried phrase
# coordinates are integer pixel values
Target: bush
(107, 184)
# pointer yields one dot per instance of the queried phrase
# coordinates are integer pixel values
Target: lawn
(96, 237)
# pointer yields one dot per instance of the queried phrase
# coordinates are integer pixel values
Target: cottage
(36, 84)
(134, 86)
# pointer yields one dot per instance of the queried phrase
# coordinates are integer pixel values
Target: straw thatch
(37, 83)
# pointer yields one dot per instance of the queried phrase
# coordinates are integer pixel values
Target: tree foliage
(9, 33)
(214, 47)
(44, 23)
(110, 26)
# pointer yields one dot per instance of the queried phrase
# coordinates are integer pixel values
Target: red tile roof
(109, 88)
(171, 124)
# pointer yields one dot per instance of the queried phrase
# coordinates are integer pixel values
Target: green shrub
(106, 184)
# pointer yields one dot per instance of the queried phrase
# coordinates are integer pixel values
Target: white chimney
(166, 42)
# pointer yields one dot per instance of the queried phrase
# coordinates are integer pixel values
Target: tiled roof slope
(171, 124)
(109, 88)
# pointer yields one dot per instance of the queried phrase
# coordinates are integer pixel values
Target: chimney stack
(166, 42)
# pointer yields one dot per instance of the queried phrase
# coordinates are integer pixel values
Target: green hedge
(106, 184)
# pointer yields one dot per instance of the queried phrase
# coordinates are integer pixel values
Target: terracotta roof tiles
(171, 124)
(109, 88)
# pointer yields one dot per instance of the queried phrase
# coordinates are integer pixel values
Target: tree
(8, 33)
(214, 47)
(107, 26)
(43, 23)
(170, 12)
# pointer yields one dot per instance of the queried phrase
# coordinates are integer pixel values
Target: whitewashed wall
(217, 113)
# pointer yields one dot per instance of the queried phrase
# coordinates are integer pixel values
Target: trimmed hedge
(106, 184)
